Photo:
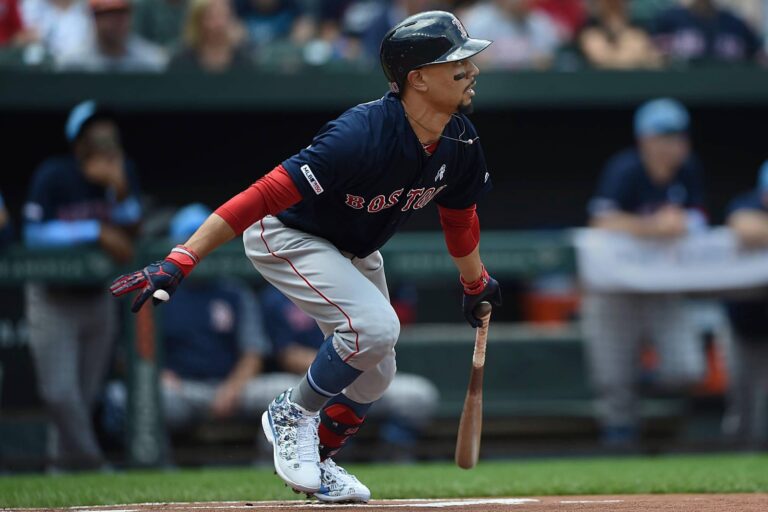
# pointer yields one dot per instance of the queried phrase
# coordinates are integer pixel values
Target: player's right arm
(271, 194)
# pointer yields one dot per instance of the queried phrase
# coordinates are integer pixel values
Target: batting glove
(485, 288)
(160, 275)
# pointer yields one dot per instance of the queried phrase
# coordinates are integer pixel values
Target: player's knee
(382, 331)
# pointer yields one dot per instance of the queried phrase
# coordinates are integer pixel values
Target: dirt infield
(629, 503)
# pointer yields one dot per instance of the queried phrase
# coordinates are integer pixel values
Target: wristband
(475, 287)
(184, 257)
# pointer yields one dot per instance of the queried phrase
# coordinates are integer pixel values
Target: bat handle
(483, 313)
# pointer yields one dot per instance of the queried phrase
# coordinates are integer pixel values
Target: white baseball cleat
(292, 432)
(340, 486)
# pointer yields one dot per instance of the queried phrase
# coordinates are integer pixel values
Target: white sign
(708, 261)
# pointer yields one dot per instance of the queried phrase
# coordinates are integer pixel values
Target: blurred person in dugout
(746, 420)
(610, 40)
(115, 47)
(402, 413)
(89, 198)
(653, 191)
(214, 345)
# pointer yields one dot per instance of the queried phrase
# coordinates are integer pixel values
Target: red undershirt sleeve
(461, 229)
(269, 195)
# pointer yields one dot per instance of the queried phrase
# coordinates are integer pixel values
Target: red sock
(337, 424)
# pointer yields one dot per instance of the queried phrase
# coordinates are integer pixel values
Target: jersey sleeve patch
(310, 177)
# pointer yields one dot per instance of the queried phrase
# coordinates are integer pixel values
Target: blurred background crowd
(218, 35)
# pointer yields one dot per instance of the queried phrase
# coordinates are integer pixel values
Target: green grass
(679, 474)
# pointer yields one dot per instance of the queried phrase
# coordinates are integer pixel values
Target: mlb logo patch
(307, 172)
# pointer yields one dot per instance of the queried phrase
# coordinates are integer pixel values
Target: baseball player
(89, 197)
(313, 227)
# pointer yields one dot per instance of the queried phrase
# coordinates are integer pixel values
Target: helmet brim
(469, 48)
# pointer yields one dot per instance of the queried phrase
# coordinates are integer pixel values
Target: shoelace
(332, 467)
(307, 440)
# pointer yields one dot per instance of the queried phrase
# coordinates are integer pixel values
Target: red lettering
(355, 202)
(413, 194)
(427, 197)
(393, 198)
(377, 204)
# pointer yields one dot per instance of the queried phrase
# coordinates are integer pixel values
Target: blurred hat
(661, 116)
(109, 5)
(81, 115)
(187, 220)
(762, 177)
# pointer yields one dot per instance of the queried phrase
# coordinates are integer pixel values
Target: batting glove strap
(184, 258)
(476, 287)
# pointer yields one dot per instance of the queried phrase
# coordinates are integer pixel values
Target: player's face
(451, 85)
(664, 154)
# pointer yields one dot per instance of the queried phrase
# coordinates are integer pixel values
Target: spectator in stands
(6, 229)
(405, 409)
(61, 27)
(213, 39)
(359, 27)
(12, 29)
(270, 21)
(160, 21)
(569, 15)
(704, 33)
(747, 418)
(115, 48)
(523, 38)
(651, 191)
(89, 198)
(610, 41)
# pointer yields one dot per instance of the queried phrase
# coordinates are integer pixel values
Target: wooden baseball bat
(471, 422)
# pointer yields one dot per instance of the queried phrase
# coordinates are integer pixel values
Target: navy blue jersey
(288, 325)
(366, 172)
(625, 186)
(63, 208)
(208, 326)
(723, 37)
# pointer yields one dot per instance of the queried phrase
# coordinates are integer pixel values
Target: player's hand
(160, 275)
(485, 288)
(671, 222)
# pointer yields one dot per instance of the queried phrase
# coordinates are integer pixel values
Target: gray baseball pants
(347, 296)
(71, 337)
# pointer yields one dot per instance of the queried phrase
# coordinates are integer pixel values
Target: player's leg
(53, 331)
(326, 285)
(186, 402)
(342, 417)
(678, 341)
(613, 332)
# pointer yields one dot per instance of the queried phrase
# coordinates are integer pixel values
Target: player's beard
(465, 108)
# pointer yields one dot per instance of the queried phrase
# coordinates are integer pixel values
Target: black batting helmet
(426, 38)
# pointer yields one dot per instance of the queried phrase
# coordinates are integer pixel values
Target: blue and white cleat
(340, 486)
(292, 432)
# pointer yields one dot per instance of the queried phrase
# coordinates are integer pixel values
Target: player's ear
(416, 80)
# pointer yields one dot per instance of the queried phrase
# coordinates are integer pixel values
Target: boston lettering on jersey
(366, 172)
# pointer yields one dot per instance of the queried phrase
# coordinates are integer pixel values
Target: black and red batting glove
(485, 288)
(160, 275)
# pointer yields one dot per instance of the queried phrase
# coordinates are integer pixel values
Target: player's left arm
(461, 228)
